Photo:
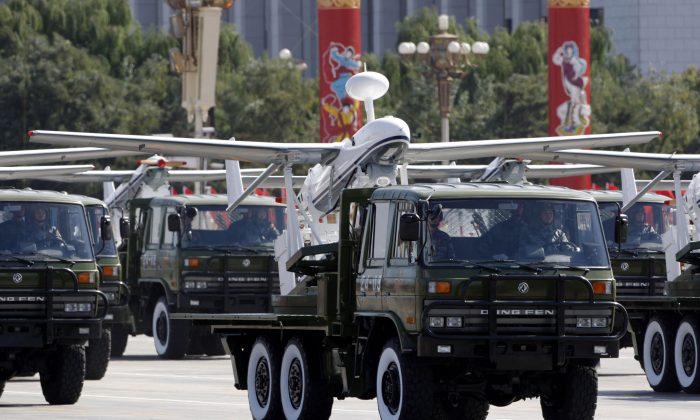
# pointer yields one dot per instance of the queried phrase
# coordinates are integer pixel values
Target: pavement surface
(141, 386)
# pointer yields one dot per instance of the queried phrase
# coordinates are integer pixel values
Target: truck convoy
(438, 300)
(187, 254)
(50, 304)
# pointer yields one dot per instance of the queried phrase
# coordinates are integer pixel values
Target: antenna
(367, 86)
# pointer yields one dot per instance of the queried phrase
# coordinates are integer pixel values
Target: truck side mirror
(174, 222)
(106, 228)
(621, 225)
(124, 227)
(409, 227)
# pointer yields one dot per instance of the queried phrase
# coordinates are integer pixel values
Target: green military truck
(187, 254)
(116, 321)
(49, 293)
(639, 263)
(663, 315)
(438, 300)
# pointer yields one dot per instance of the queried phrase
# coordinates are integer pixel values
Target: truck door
(374, 250)
(150, 266)
(400, 272)
(167, 257)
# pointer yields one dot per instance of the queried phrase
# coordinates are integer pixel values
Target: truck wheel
(469, 407)
(657, 354)
(62, 379)
(686, 355)
(303, 391)
(97, 356)
(2, 387)
(120, 336)
(212, 345)
(169, 336)
(263, 380)
(404, 389)
(574, 397)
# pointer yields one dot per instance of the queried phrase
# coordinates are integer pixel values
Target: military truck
(663, 313)
(187, 254)
(437, 325)
(49, 293)
(116, 321)
(638, 263)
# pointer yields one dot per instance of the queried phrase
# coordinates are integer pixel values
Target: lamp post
(286, 55)
(446, 58)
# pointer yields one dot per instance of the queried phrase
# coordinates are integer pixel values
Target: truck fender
(408, 344)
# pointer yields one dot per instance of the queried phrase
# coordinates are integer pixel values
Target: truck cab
(50, 303)
(638, 263)
(116, 321)
(187, 254)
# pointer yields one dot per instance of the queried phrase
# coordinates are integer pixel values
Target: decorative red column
(339, 58)
(569, 66)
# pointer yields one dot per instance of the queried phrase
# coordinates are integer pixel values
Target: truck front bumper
(21, 333)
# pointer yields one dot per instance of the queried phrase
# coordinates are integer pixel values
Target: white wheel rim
(292, 360)
(157, 311)
(258, 354)
(685, 332)
(388, 357)
(652, 377)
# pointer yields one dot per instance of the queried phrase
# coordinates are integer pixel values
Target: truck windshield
(36, 228)
(212, 226)
(647, 222)
(102, 248)
(528, 231)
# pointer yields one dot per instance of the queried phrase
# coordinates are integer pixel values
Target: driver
(542, 231)
(38, 228)
(639, 230)
(259, 228)
(441, 247)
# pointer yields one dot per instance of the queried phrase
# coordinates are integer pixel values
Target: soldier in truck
(441, 242)
(39, 229)
(542, 232)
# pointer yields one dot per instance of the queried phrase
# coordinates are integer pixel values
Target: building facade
(655, 35)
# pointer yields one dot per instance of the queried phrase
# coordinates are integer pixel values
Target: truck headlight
(78, 307)
(583, 322)
(436, 321)
(454, 322)
(189, 284)
(599, 322)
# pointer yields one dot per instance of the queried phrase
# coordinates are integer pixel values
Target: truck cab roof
(417, 192)
(616, 196)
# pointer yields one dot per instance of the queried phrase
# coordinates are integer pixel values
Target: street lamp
(286, 55)
(445, 57)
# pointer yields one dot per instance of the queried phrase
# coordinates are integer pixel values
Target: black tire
(404, 388)
(468, 408)
(657, 355)
(62, 379)
(574, 395)
(686, 355)
(120, 337)
(212, 345)
(170, 337)
(263, 380)
(2, 387)
(97, 356)
(304, 392)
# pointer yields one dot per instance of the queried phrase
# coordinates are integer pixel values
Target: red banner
(339, 58)
(569, 75)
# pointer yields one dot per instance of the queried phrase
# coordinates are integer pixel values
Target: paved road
(144, 387)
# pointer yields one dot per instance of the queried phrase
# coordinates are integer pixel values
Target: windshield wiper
(225, 248)
(22, 260)
(513, 262)
(63, 260)
(468, 264)
(560, 266)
